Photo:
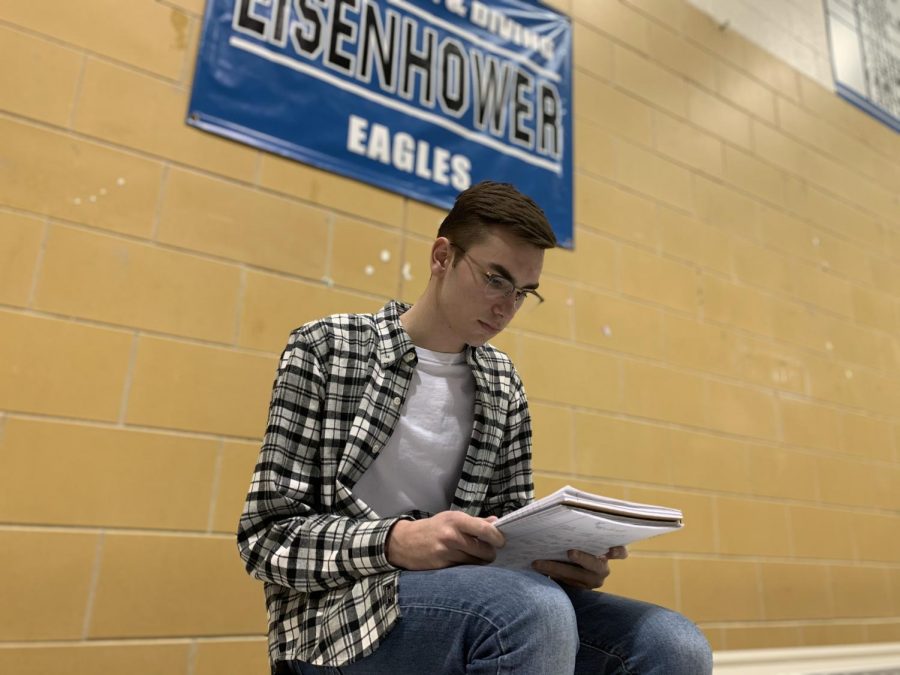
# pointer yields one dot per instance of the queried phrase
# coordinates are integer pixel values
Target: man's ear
(441, 255)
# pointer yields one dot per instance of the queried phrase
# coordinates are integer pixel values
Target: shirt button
(397, 401)
(409, 357)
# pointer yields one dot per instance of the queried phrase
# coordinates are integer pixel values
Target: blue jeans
(479, 620)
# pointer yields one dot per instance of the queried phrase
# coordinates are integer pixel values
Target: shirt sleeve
(285, 536)
(511, 486)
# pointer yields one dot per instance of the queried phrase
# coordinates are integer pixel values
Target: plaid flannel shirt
(339, 390)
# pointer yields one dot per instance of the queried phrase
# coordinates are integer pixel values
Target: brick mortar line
(789, 523)
(745, 111)
(576, 283)
(777, 126)
(673, 554)
(567, 342)
(682, 118)
(829, 590)
(192, 39)
(87, 52)
(136, 428)
(128, 380)
(161, 194)
(760, 586)
(116, 145)
(139, 332)
(710, 375)
(799, 623)
(147, 156)
(93, 583)
(677, 586)
(402, 255)
(39, 263)
(735, 330)
(830, 272)
(189, 252)
(76, 98)
(754, 440)
(707, 492)
(679, 556)
(329, 251)
(104, 531)
(214, 488)
(737, 187)
(704, 271)
(130, 642)
(714, 516)
(192, 658)
(239, 305)
(273, 192)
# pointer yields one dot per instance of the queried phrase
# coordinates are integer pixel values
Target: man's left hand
(583, 569)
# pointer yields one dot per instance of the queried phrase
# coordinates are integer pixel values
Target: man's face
(472, 315)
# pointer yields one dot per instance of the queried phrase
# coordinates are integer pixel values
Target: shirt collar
(394, 342)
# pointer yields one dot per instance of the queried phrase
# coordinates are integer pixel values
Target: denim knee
(686, 649)
(500, 621)
(551, 615)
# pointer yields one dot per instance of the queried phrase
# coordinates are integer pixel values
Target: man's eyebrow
(503, 272)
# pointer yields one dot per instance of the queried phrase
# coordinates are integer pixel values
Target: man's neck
(428, 329)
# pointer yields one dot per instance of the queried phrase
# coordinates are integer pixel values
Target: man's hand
(583, 569)
(446, 539)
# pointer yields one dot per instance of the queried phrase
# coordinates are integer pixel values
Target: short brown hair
(490, 204)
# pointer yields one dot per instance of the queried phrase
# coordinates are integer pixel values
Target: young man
(394, 441)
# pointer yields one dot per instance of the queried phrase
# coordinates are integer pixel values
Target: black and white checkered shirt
(330, 590)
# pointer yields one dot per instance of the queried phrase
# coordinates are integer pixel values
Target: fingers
(597, 567)
(584, 570)
(588, 561)
(463, 558)
(617, 553)
(571, 574)
(472, 539)
(447, 538)
(479, 551)
(482, 530)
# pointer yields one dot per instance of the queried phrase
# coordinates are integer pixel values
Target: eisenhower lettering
(404, 57)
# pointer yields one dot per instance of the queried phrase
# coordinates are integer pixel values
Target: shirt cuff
(372, 553)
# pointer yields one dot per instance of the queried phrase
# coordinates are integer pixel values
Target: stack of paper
(572, 519)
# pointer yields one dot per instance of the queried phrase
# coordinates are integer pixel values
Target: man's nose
(505, 306)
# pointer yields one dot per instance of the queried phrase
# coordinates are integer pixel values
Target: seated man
(394, 441)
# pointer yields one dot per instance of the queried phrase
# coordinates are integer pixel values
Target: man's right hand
(446, 539)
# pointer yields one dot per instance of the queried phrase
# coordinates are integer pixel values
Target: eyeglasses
(498, 287)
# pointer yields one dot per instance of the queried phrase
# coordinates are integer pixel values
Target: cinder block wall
(724, 338)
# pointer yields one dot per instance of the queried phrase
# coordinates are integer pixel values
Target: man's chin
(480, 339)
(483, 338)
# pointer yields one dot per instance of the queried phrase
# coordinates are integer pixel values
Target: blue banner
(420, 97)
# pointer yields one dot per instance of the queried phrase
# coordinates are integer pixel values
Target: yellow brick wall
(723, 339)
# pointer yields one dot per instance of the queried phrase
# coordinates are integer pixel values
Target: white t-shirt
(420, 465)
